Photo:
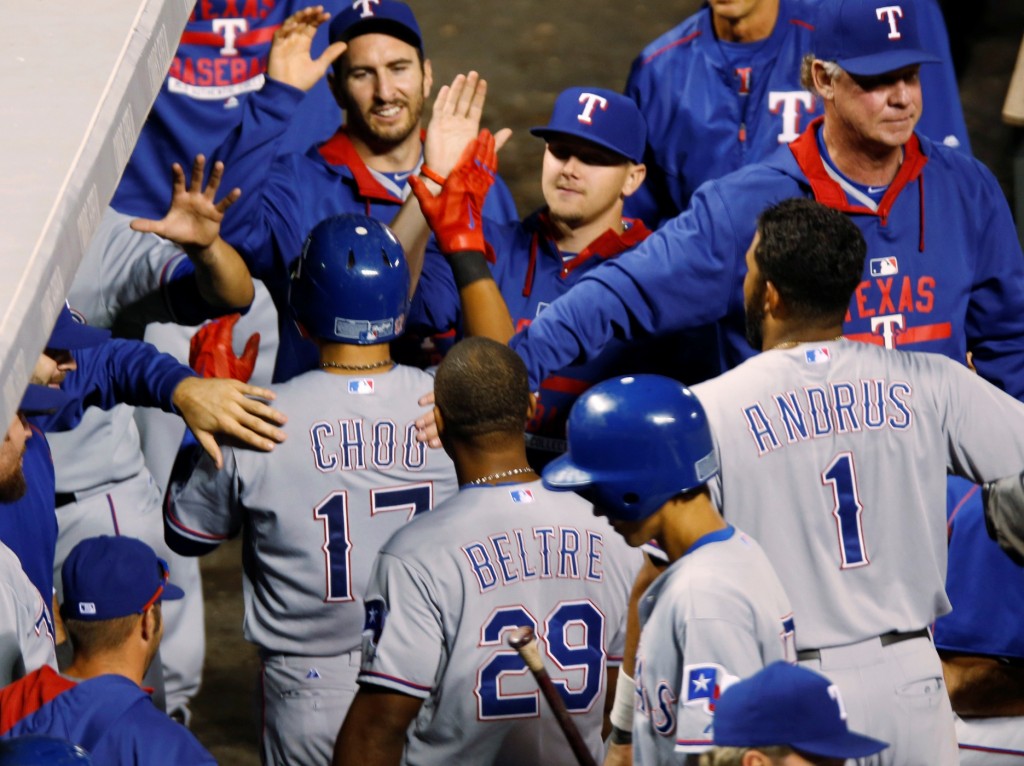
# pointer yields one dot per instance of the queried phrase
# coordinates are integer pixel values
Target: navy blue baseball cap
(867, 37)
(71, 332)
(40, 399)
(785, 704)
(601, 116)
(108, 577)
(388, 17)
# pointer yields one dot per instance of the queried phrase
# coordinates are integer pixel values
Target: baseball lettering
(792, 103)
(590, 102)
(563, 553)
(891, 13)
(231, 9)
(215, 72)
(353, 445)
(816, 412)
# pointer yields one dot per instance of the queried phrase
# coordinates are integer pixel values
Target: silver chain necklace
(501, 475)
(357, 367)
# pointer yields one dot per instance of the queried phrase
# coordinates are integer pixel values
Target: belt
(886, 639)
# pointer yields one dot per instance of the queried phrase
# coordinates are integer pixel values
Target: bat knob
(520, 637)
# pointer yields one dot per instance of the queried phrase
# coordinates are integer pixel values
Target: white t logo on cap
(367, 6)
(891, 12)
(590, 102)
(833, 692)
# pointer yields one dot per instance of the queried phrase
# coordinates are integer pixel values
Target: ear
(824, 84)
(774, 305)
(148, 625)
(755, 758)
(438, 420)
(531, 409)
(637, 174)
(428, 78)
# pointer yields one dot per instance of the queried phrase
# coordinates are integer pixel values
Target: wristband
(620, 736)
(432, 175)
(469, 266)
(624, 706)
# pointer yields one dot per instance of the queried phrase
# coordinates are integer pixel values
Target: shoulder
(946, 160)
(676, 42)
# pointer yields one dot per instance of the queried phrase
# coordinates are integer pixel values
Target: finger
(177, 179)
(427, 400)
(144, 225)
(468, 94)
(198, 166)
(454, 93)
(331, 54)
(214, 180)
(501, 137)
(252, 348)
(477, 98)
(441, 99)
(257, 429)
(257, 392)
(229, 199)
(209, 444)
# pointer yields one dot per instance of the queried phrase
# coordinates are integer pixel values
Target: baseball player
(221, 59)
(114, 590)
(381, 81)
(26, 626)
(722, 90)
(785, 714)
(438, 684)
(102, 483)
(862, 440)
(594, 142)
(641, 451)
(944, 271)
(316, 510)
(980, 642)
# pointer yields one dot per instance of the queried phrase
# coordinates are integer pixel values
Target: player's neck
(863, 162)
(576, 238)
(757, 25)
(786, 336)
(345, 359)
(474, 462)
(118, 663)
(686, 521)
(393, 158)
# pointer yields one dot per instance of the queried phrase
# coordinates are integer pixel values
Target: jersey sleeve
(26, 633)
(680, 277)
(402, 635)
(716, 653)
(204, 509)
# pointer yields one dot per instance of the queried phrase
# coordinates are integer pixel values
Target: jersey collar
(339, 152)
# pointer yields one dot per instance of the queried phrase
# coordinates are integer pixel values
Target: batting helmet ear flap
(635, 442)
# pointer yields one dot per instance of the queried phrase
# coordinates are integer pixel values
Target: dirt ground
(529, 51)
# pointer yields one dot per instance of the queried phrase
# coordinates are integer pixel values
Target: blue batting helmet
(634, 443)
(39, 750)
(351, 283)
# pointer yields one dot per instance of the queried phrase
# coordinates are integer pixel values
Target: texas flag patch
(820, 355)
(704, 684)
(521, 495)
(361, 386)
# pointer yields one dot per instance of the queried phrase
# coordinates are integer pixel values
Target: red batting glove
(211, 353)
(454, 214)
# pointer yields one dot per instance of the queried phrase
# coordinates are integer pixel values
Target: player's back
(318, 508)
(834, 457)
(454, 584)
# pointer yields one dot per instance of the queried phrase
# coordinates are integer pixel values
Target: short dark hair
(482, 388)
(814, 256)
(93, 636)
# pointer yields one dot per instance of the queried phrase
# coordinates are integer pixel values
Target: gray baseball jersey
(26, 635)
(100, 460)
(715, 616)
(316, 510)
(834, 458)
(446, 590)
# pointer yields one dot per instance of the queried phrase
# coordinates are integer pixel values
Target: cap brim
(882, 63)
(73, 336)
(848, 745)
(40, 399)
(562, 475)
(547, 133)
(171, 592)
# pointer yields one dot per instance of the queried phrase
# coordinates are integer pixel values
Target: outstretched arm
(373, 733)
(193, 222)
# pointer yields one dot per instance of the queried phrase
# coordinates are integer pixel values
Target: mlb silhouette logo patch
(884, 267)
(817, 355)
(86, 607)
(521, 495)
(361, 386)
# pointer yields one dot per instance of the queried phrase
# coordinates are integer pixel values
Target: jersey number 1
(847, 510)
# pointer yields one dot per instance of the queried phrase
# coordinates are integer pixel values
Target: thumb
(252, 347)
(331, 54)
(144, 225)
(209, 445)
(428, 202)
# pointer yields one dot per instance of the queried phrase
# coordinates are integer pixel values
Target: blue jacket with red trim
(221, 59)
(712, 107)
(286, 195)
(944, 270)
(530, 273)
(110, 716)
